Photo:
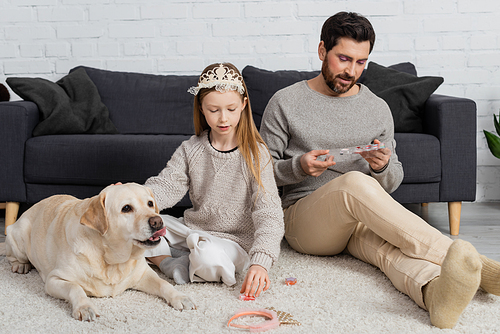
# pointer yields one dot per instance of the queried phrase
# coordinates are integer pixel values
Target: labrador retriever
(92, 247)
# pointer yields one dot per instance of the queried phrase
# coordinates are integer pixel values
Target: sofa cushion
(37, 192)
(146, 103)
(404, 93)
(405, 67)
(70, 105)
(417, 193)
(420, 155)
(262, 85)
(97, 160)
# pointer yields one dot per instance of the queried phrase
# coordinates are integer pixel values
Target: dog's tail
(2, 248)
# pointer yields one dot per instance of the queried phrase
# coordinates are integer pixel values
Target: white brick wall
(456, 39)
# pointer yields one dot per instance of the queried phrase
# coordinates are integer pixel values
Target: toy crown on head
(222, 78)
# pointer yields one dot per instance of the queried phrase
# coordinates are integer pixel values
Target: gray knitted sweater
(298, 119)
(225, 196)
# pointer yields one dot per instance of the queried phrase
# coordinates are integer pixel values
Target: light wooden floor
(480, 224)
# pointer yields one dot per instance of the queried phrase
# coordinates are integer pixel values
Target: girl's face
(222, 112)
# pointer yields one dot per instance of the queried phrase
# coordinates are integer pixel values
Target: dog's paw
(21, 268)
(182, 302)
(85, 313)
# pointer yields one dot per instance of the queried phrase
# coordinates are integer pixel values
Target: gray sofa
(153, 115)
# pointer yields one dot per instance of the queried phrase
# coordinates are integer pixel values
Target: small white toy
(345, 154)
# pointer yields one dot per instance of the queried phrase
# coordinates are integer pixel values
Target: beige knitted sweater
(225, 196)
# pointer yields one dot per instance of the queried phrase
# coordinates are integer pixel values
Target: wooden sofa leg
(454, 210)
(11, 211)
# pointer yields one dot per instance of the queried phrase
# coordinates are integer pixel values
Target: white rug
(333, 295)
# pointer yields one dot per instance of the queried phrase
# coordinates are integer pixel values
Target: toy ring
(260, 327)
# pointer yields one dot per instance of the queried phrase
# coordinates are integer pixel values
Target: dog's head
(125, 214)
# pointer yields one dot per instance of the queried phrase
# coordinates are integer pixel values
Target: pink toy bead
(246, 298)
(290, 281)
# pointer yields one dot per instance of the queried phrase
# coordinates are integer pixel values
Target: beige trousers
(354, 213)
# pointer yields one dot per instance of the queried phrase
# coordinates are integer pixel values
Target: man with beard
(333, 207)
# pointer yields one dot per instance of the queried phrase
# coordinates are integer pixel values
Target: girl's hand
(256, 281)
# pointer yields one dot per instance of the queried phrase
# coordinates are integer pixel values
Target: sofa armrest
(453, 121)
(17, 121)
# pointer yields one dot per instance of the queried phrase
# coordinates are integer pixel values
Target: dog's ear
(95, 216)
(157, 210)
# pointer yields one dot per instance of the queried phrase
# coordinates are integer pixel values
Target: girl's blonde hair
(247, 134)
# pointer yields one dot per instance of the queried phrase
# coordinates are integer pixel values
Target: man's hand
(312, 166)
(377, 159)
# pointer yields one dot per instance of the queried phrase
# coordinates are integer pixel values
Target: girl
(227, 169)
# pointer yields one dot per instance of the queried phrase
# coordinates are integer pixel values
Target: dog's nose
(156, 222)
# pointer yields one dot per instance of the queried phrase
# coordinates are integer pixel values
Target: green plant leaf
(497, 126)
(493, 143)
